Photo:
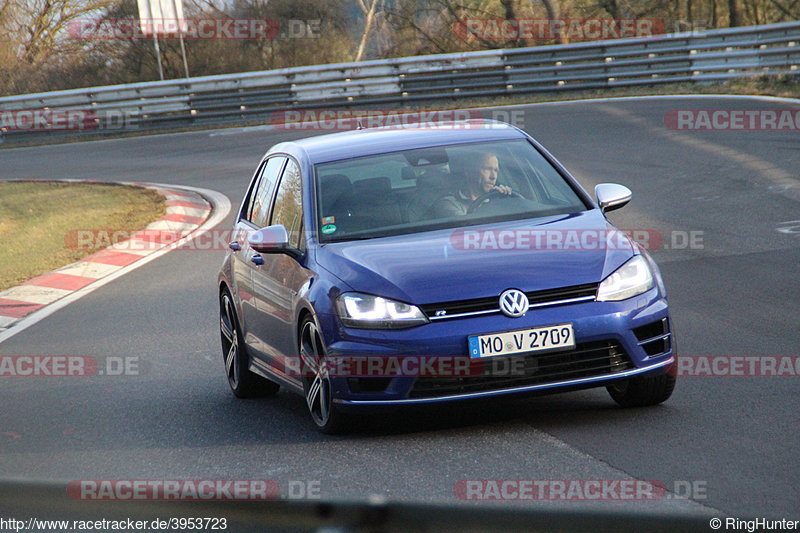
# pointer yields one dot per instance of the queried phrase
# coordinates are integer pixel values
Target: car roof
(372, 141)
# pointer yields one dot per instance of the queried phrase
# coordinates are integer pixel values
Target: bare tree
(37, 52)
(369, 19)
(40, 26)
(789, 10)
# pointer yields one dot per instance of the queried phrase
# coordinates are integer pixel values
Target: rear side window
(288, 208)
(260, 198)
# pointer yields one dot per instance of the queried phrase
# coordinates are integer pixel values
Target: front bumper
(617, 323)
(555, 386)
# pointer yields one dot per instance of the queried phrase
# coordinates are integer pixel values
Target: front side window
(288, 209)
(437, 187)
(260, 197)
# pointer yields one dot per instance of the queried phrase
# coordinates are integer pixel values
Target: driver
(479, 179)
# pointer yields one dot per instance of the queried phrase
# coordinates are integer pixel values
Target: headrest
(374, 187)
(334, 187)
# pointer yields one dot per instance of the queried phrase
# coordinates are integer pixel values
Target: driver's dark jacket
(452, 205)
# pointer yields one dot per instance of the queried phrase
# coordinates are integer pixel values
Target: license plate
(559, 336)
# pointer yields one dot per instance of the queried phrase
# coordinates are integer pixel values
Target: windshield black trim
(450, 223)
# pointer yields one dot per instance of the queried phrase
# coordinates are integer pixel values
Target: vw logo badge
(514, 303)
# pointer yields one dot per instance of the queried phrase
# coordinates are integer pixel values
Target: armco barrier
(713, 55)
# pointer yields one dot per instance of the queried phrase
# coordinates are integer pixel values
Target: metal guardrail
(706, 56)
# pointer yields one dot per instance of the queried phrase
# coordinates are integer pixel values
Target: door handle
(257, 259)
(235, 246)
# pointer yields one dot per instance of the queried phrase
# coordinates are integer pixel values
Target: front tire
(317, 384)
(643, 391)
(243, 383)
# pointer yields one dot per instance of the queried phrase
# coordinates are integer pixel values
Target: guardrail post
(697, 56)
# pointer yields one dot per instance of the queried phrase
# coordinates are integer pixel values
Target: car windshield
(438, 187)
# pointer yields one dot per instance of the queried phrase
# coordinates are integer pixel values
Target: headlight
(367, 311)
(631, 279)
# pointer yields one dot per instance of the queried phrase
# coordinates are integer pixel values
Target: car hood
(480, 261)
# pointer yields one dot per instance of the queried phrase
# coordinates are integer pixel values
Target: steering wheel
(488, 197)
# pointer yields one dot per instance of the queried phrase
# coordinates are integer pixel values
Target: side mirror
(611, 196)
(271, 240)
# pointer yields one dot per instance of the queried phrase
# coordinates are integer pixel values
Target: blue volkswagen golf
(412, 265)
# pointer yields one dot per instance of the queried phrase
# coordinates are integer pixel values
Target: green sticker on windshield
(328, 228)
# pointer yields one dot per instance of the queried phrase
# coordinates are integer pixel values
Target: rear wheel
(316, 382)
(244, 383)
(643, 391)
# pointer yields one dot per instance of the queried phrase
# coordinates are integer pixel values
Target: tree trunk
(714, 14)
(554, 12)
(370, 17)
(508, 8)
(734, 19)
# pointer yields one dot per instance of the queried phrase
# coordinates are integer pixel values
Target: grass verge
(36, 219)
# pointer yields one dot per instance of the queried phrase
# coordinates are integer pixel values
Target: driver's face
(488, 169)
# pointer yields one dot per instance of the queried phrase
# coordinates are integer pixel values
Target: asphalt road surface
(736, 292)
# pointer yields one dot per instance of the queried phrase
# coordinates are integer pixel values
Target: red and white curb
(189, 212)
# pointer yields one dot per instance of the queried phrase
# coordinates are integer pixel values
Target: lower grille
(586, 360)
